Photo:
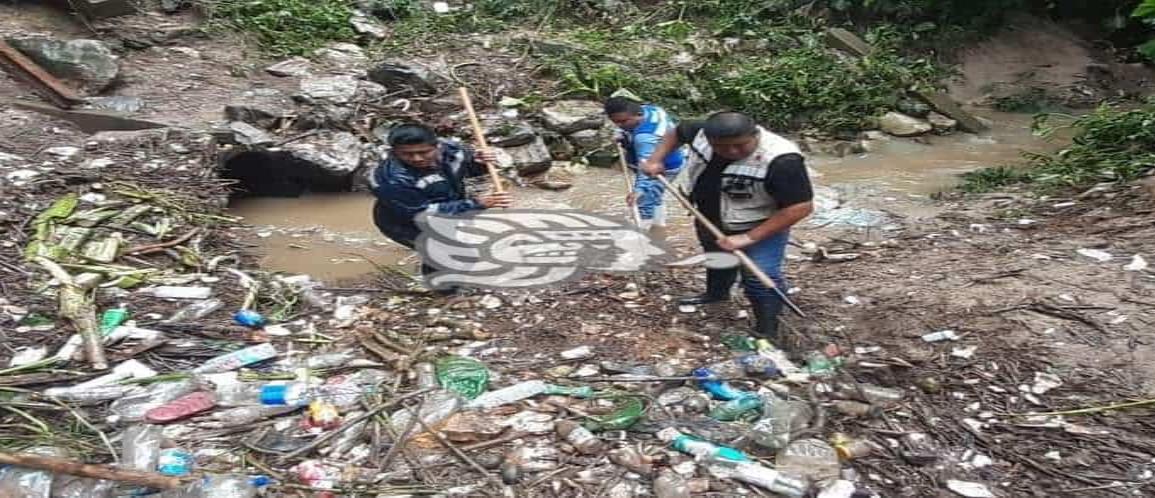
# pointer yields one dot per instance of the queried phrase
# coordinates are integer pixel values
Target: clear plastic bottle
(698, 448)
(65, 486)
(329, 360)
(780, 421)
(671, 485)
(426, 375)
(131, 408)
(758, 475)
(237, 359)
(870, 393)
(813, 459)
(507, 395)
(220, 486)
(578, 436)
(140, 447)
(196, 311)
(28, 483)
(749, 406)
(92, 395)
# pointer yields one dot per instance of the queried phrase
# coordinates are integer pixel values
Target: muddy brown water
(332, 236)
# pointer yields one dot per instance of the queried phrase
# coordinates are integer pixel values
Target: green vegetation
(1110, 144)
(288, 27)
(1145, 12)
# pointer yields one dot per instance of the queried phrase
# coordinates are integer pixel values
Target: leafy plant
(287, 27)
(1146, 12)
(1110, 144)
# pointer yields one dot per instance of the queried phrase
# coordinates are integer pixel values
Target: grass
(287, 27)
(1112, 144)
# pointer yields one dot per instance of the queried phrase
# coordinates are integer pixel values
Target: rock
(326, 116)
(846, 148)
(9, 159)
(401, 77)
(501, 132)
(560, 149)
(589, 140)
(529, 159)
(370, 91)
(602, 158)
(333, 155)
(942, 103)
(255, 114)
(247, 134)
(116, 103)
(571, 116)
(342, 57)
(913, 107)
(942, 124)
(367, 26)
(901, 125)
(335, 89)
(63, 153)
(87, 63)
(297, 66)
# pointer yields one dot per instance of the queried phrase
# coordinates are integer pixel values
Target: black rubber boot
(718, 285)
(766, 311)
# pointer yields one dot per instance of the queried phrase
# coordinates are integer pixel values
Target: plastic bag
(465, 376)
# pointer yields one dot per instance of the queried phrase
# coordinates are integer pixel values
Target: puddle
(330, 236)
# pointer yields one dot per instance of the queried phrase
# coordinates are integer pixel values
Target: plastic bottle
(248, 414)
(130, 369)
(28, 483)
(697, 447)
(65, 486)
(426, 375)
(780, 421)
(578, 436)
(870, 393)
(575, 391)
(779, 357)
(708, 381)
(140, 447)
(813, 459)
(196, 311)
(328, 360)
(671, 485)
(131, 408)
(92, 395)
(237, 359)
(438, 406)
(507, 395)
(175, 462)
(764, 477)
(748, 406)
(633, 460)
(819, 365)
(249, 318)
(221, 486)
(112, 318)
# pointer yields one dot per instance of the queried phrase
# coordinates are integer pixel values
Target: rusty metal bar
(23, 68)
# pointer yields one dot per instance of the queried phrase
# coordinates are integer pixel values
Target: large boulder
(571, 116)
(88, 64)
(901, 125)
(530, 159)
(590, 140)
(398, 77)
(942, 125)
(342, 57)
(334, 154)
(560, 148)
(332, 89)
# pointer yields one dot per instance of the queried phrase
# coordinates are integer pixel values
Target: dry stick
(454, 449)
(741, 255)
(75, 306)
(496, 442)
(63, 466)
(335, 432)
(151, 248)
(479, 135)
(400, 440)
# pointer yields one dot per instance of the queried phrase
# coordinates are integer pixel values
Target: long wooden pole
(63, 466)
(741, 255)
(479, 135)
(637, 215)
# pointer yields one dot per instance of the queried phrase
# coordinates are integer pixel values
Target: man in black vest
(753, 185)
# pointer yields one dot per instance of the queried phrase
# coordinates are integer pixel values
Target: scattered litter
(577, 353)
(687, 308)
(945, 335)
(851, 300)
(1095, 254)
(1045, 382)
(964, 352)
(1137, 264)
(969, 489)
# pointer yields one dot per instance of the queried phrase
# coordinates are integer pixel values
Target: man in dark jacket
(425, 174)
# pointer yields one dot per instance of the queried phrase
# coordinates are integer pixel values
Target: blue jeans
(650, 192)
(767, 254)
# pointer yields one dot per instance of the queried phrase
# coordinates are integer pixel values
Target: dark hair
(729, 125)
(412, 134)
(617, 105)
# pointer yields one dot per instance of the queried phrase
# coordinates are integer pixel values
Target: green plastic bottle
(747, 406)
(113, 318)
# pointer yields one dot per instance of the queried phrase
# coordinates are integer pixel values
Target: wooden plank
(851, 43)
(23, 68)
(92, 121)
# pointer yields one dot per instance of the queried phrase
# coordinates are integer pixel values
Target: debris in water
(1095, 254)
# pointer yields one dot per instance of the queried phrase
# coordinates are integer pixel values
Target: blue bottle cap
(274, 394)
(260, 481)
(703, 373)
(249, 318)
